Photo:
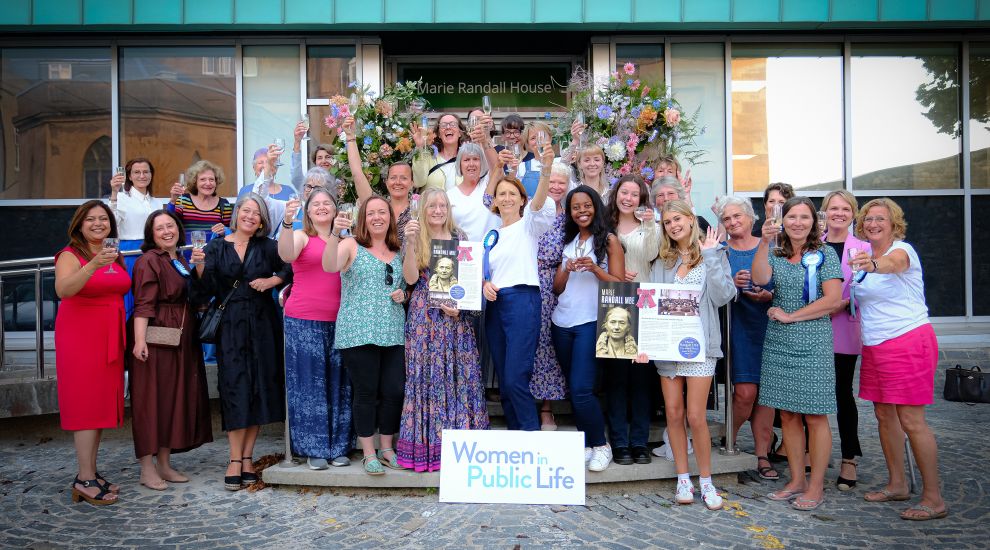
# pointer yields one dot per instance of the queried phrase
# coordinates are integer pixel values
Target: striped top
(194, 219)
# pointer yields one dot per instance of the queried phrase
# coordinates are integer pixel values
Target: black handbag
(209, 321)
(966, 385)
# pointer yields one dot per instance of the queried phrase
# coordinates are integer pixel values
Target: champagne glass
(305, 121)
(118, 171)
(280, 145)
(579, 248)
(858, 274)
(424, 130)
(821, 222)
(516, 151)
(354, 102)
(486, 105)
(640, 214)
(777, 219)
(347, 209)
(579, 118)
(182, 180)
(472, 123)
(414, 206)
(541, 141)
(198, 239)
(111, 244)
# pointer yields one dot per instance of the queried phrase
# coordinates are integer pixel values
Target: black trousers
(847, 416)
(378, 375)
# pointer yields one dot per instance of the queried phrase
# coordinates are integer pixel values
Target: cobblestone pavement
(36, 510)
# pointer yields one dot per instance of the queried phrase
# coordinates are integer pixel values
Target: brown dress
(169, 400)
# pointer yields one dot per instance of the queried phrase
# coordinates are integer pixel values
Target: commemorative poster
(455, 274)
(661, 320)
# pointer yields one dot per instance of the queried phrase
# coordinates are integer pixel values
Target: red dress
(89, 351)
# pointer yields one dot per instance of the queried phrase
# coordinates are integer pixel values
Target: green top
(368, 314)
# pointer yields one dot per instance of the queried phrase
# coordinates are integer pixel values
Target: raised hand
(710, 240)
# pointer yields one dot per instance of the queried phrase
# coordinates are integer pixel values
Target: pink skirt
(901, 371)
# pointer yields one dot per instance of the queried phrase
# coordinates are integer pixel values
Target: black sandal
(233, 483)
(106, 485)
(247, 478)
(98, 500)
(844, 484)
(774, 455)
(764, 471)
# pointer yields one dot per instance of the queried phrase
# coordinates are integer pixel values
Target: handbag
(167, 337)
(209, 321)
(970, 385)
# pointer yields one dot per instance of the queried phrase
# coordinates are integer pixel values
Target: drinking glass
(354, 102)
(347, 209)
(198, 239)
(413, 207)
(182, 180)
(111, 243)
(777, 218)
(641, 216)
(280, 145)
(579, 249)
(305, 121)
(486, 105)
(424, 130)
(821, 222)
(516, 151)
(541, 140)
(118, 171)
(858, 274)
(472, 122)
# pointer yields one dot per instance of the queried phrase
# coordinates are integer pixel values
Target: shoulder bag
(167, 337)
(209, 321)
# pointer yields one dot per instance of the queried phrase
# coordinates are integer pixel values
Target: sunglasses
(388, 275)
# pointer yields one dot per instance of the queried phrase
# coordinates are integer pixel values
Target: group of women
(366, 351)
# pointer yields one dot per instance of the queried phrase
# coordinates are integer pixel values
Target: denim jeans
(575, 347)
(512, 323)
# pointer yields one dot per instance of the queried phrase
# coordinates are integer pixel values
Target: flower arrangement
(383, 132)
(635, 123)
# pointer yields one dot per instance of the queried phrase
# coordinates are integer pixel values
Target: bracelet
(876, 267)
(332, 234)
(287, 225)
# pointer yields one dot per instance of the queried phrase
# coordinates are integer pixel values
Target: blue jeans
(512, 323)
(628, 387)
(575, 347)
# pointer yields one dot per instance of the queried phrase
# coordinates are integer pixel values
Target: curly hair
(599, 229)
(897, 222)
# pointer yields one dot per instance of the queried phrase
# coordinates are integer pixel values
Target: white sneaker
(601, 457)
(587, 455)
(685, 493)
(709, 494)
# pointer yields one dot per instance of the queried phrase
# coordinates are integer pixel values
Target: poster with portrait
(661, 320)
(455, 274)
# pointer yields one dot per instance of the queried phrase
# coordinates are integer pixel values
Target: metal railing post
(39, 332)
(730, 439)
(3, 330)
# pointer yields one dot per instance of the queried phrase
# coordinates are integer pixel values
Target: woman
(749, 328)
(900, 354)
(840, 208)
(531, 165)
(590, 163)
(370, 325)
(437, 168)
(316, 178)
(775, 194)
(467, 203)
(797, 375)
(199, 206)
(317, 388)
(444, 389)
(575, 319)
(628, 385)
(669, 188)
(265, 174)
(249, 341)
(688, 258)
(89, 343)
(512, 288)
(170, 403)
(131, 202)
(398, 180)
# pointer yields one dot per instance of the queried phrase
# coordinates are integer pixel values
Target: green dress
(798, 372)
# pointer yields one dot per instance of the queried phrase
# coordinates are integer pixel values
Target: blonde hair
(423, 244)
(668, 248)
(897, 222)
(534, 126)
(193, 172)
(844, 195)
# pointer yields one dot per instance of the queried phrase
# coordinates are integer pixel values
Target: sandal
(550, 426)
(775, 446)
(844, 484)
(372, 466)
(806, 504)
(884, 495)
(112, 487)
(233, 483)
(98, 500)
(247, 478)
(392, 463)
(766, 472)
(930, 513)
(784, 495)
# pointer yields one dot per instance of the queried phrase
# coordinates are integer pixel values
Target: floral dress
(444, 387)
(548, 378)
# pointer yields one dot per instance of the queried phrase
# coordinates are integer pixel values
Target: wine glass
(777, 219)
(541, 141)
(821, 222)
(118, 171)
(579, 248)
(346, 209)
(354, 102)
(486, 105)
(198, 239)
(472, 123)
(640, 214)
(111, 243)
(858, 274)
(516, 151)
(305, 121)
(424, 130)
(579, 118)
(280, 145)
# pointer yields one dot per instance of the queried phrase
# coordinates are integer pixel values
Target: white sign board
(509, 466)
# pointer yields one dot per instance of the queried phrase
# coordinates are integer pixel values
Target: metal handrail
(40, 266)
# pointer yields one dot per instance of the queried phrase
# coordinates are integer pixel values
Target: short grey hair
(469, 148)
(742, 203)
(266, 224)
(318, 176)
(673, 183)
(558, 168)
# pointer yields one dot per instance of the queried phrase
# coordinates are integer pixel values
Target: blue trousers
(512, 323)
(575, 347)
(628, 387)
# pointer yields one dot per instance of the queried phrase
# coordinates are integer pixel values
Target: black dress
(249, 343)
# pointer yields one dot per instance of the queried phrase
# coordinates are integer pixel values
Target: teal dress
(368, 315)
(798, 372)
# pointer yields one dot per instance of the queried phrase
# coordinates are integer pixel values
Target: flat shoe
(930, 513)
(784, 495)
(340, 462)
(885, 496)
(160, 485)
(806, 504)
(372, 466)
(641, 455)
(393, 463)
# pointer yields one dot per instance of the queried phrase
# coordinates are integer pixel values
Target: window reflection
(648, 59)
(786, 116)
(56, 109)
(905, 117)
(271, 103)
(178, 105)
(329, 69)
(979, 115)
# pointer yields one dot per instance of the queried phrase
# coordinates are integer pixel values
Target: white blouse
(132, 210)
(513, 258)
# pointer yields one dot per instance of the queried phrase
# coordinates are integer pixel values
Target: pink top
(315, 294)
(845, 328)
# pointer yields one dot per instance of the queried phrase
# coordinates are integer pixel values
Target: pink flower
(629, 68)
(672, 116)
(635, 84)
(646, 90)
(625, 169)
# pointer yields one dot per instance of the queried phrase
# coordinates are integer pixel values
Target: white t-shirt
(469, 211)
(513, 258)
(578, 303)
(894, 303)
(133, 209)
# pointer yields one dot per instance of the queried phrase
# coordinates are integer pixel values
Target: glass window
(905, 116)
(329, 71)
(271, 103)
(698, 82)
(177, 106)
(648, 59)
(54, 121)
(786, 116)
(979, 115)
(981, 260)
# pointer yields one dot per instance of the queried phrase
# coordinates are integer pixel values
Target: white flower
(615, 151)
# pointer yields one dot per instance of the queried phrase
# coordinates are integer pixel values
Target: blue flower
(629, 82)
(647, 172)
(353, 84)
(653, 136)
(636, 111)
(367, 140)
(604, 112)
(369, 126)
(656, 103)
(547, 115)
(613, 180)
(334, 110)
